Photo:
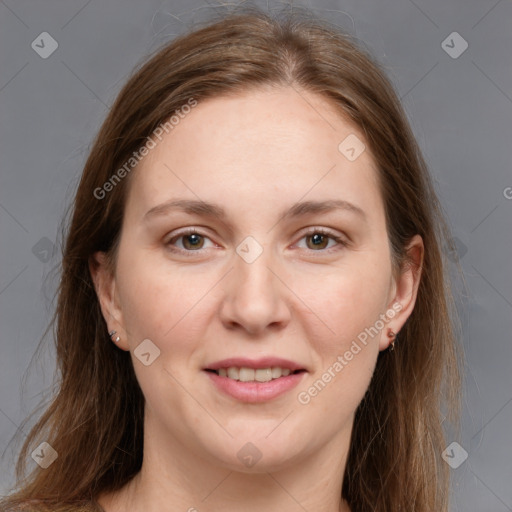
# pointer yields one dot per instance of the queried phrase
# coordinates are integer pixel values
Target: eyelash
(313, 231)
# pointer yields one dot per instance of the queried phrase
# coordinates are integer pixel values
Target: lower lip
(255, 391)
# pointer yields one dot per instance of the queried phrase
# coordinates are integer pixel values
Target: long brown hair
(95, 420)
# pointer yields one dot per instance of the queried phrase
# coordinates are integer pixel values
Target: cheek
(157, 303)
(346, 351)
(343, 336)
(166, 308)
(343, 303)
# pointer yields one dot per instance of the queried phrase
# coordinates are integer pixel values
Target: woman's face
(275, 275)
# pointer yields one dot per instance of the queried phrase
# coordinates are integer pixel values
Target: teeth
(263, 374)
(250, 374)
(276, 373)
(233, 372)
(246, 374)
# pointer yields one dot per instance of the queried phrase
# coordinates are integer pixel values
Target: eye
(317, 239)
(192, 241)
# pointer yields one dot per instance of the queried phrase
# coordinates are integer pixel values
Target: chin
(247, 454)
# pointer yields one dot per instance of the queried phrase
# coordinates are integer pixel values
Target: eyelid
(185, 232)
(341, 240)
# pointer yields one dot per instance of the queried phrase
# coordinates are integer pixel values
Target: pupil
(193, 239)
(318, 240)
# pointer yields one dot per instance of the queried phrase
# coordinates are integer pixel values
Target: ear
(404, 291)
(105, 286)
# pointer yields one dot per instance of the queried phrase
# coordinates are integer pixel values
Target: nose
(255, 296)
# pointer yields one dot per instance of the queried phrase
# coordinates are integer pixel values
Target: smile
(253, 381)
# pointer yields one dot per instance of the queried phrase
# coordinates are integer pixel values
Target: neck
(186, 481)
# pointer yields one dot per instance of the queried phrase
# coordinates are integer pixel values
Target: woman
(253, 312)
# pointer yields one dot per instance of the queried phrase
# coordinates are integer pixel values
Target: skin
(255, 154)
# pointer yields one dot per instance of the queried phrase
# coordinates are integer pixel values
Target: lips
(251, 380)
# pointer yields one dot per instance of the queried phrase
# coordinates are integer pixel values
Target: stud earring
(111, 333)
(392, 335)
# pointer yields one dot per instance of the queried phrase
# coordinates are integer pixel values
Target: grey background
(461, 112)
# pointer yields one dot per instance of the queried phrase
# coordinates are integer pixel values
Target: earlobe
(105, 286)
(392, 338)
(406, 290)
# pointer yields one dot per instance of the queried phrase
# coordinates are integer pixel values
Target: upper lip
(263, 362)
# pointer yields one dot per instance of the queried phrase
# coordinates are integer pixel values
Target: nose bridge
(254, 297)
(255, 277)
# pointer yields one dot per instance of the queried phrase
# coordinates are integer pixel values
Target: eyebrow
(206, 209)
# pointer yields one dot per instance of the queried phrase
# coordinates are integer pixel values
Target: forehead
(263, 144)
